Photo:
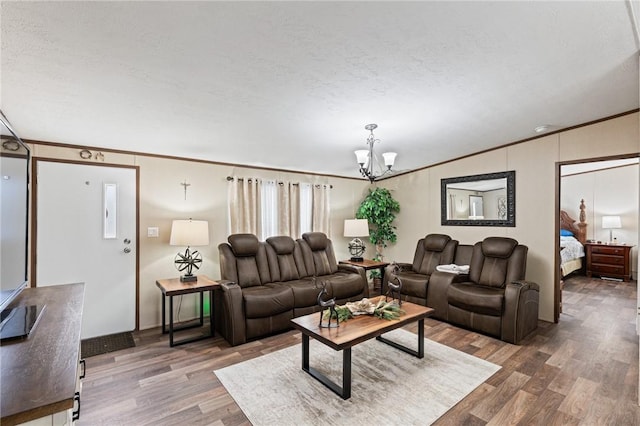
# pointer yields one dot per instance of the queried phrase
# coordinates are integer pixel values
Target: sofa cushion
(283, 264)
(318, 254)
(305, 294)
(316, 240)
(476, 299)
(500, 247)
(431, 251)
(244, 244)
(267, 300)
(436, 242)
(282, 244)
(413, 284)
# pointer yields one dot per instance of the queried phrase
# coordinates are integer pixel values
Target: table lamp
(611, 223)
(189, 233)
(356, 228)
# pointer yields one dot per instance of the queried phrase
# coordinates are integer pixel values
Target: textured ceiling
(291, 85)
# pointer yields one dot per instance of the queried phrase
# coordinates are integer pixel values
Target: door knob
(127, 241)
(127, 250)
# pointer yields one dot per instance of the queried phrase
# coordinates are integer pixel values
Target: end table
(368, 264)
(174, 287)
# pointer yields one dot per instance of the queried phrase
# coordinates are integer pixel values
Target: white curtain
(321, 208)
(244, 195)
(289, 206)
(267, 208)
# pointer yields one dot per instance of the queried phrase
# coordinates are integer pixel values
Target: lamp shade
(356, 228)
(389, 158)
(189, 233)
(611, 222)
(362, 155)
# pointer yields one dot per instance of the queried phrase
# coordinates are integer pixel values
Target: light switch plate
(153, 232)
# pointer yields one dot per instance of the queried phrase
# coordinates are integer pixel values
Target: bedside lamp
(611, 223)
(356, 228)
(189, 233)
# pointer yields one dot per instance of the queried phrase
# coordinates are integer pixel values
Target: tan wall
(162, 199)
(535, 166)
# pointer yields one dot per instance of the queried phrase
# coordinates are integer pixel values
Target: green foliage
(380, 209)
(343, 313)
(388, 310)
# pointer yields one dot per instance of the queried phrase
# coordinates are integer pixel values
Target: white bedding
(573, 249)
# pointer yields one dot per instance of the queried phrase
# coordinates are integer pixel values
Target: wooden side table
(608, 260)
(368, 264)
(174, 287)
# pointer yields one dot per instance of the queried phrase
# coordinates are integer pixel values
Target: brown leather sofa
(266, 284)
(494, 298)
(431, 251)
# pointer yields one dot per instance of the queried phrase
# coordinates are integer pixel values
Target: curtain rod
(317, 185)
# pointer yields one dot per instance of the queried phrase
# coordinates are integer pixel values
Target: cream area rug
(388, 385)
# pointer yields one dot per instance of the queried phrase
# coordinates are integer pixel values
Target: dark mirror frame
(511, 200)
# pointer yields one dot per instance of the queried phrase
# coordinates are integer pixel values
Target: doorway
(608, 186)
(86, 230)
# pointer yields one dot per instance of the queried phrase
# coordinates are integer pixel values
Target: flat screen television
(14, 214)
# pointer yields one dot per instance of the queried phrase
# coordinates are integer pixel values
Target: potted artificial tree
(379, 208)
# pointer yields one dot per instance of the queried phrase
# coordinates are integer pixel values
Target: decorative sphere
(356, 247)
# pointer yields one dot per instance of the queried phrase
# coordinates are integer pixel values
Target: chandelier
(370, 165)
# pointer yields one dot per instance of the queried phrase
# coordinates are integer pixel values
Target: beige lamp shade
(611, 222)
(189, 233)
(356, 228)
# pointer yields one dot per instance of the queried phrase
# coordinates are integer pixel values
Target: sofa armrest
(345, 267)
(437, 290)
(520, 318)
(388, 271)
(230, 313)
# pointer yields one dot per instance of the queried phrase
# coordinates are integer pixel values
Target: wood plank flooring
(581, 371)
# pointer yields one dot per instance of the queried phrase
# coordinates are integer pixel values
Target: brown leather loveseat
(265, 284)
(493, 298)
(431, 251)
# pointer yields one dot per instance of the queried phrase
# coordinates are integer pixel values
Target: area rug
(105, 344)
(388, 386)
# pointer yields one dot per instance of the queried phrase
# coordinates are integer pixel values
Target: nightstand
(608, 260)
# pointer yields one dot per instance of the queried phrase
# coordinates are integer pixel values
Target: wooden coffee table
(353, 331)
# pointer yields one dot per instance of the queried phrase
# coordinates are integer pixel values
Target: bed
(572, 238)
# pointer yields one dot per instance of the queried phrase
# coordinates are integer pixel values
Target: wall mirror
(479, 200)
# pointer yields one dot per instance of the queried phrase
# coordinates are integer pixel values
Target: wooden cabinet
(40, 373)
(608, 260)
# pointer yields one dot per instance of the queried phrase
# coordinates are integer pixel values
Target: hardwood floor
(581, 371)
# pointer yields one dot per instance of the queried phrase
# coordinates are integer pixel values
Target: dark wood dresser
(40, 372)
(608, 260)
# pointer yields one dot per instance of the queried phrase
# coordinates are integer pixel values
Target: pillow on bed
(566, 233)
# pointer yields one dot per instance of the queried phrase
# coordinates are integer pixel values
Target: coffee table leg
(419, 353)
(421, 338)
(305, 352)
(346, 374)
(345, 391)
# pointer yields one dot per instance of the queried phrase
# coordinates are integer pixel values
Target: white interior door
(86, 232)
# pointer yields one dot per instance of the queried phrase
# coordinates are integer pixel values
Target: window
(267, 208)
